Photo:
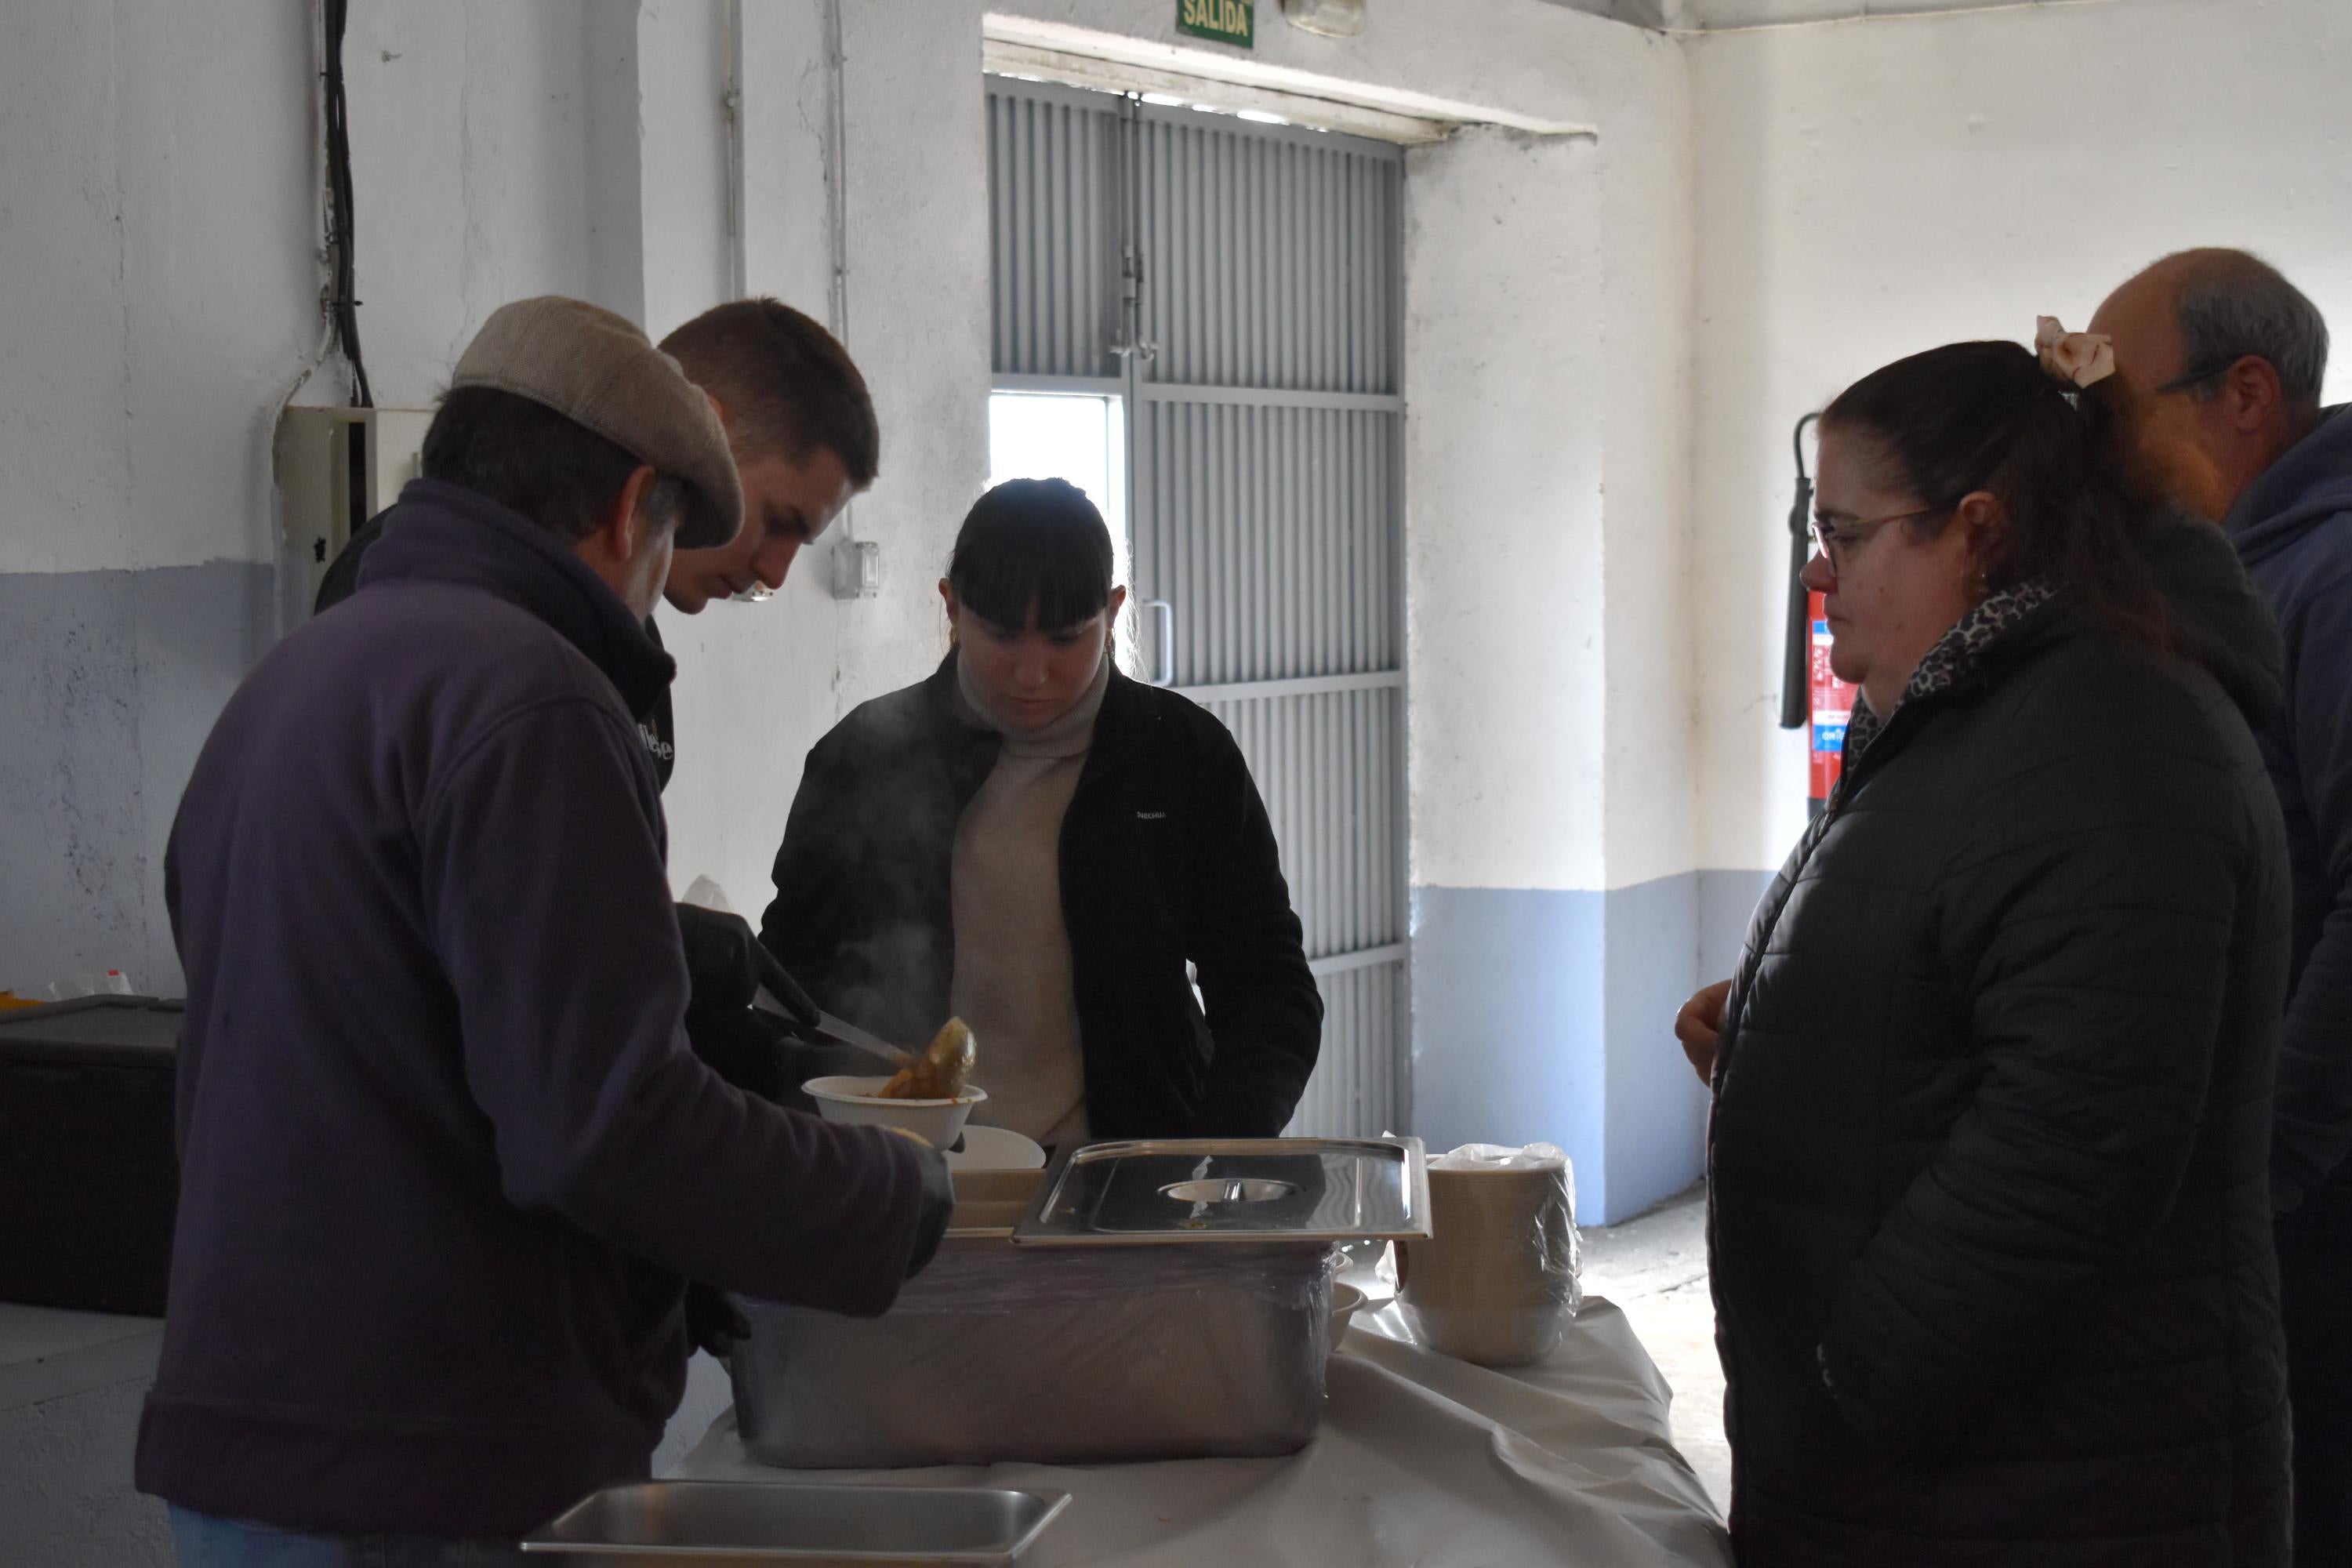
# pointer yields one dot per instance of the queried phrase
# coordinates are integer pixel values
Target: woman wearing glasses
(1989, 1220)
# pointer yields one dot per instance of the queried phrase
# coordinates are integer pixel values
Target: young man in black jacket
(445, 1153)
(1033, 842)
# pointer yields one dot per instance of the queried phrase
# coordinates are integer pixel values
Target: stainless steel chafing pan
(735, 1524)
(1232, 1190)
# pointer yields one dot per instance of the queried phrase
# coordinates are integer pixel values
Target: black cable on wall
(343, 301)
(1796, 655)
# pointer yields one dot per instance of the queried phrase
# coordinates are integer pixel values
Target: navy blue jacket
(2293, 529)
(445, 1151)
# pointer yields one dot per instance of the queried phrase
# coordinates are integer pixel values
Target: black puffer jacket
(1167, 857)
(1990, 1221)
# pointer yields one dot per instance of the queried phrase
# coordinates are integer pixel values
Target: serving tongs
(794, 1002)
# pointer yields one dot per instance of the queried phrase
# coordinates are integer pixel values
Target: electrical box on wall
(857, 569)
(337, 467)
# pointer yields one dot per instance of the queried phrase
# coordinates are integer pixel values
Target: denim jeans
(203, 1541)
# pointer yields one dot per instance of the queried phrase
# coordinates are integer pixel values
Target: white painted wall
(1646, 254)
(471, 162)
(916, 188)
(684, 63)
(1869, 189)
(145, 327)
(1505, 451)
(756, 688)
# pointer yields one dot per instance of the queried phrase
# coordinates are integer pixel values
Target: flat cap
(599, 371)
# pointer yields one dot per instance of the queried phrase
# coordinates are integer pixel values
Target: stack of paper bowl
(1346, 1303)
(1497, 1281)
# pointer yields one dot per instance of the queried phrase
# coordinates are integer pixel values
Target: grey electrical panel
(336, 468)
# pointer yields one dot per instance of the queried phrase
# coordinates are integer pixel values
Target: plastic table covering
(1423, 1461)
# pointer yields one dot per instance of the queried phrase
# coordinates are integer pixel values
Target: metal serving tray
(735, 1524)
(1230, 1190)
(1053, 1355)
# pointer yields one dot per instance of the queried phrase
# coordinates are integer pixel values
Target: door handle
(1164, 653)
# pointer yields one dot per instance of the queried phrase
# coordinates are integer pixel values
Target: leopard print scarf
(1958, 652)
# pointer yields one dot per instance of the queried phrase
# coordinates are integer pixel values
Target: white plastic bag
(112, 983)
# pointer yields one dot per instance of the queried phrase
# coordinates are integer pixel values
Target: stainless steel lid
(1242, 1189)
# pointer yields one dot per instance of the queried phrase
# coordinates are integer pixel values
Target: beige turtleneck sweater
(1013, 981)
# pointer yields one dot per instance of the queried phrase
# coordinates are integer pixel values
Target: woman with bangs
(1035, 843)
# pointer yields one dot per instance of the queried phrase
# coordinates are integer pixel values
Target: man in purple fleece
(445, 1151)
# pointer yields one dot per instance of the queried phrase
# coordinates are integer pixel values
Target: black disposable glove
(713, 1321)
(939, 1208)
(764, 1054)
(769, 1055)
(747, 1047)
(726, 967)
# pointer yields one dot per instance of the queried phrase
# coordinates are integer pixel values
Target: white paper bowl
(852, 1102)
(1346, 1299)
(996, 1148)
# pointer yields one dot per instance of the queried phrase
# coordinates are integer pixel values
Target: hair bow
(2078, 359)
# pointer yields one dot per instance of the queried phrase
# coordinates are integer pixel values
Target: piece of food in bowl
(940, 1071)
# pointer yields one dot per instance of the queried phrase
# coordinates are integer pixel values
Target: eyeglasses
(1837, 541)
(2203, 374)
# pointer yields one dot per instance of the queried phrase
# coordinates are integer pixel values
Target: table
(1423, 1462)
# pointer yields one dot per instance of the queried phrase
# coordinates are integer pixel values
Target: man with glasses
(2218, 362)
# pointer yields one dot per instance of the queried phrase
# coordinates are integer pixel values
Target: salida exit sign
(1227, 21)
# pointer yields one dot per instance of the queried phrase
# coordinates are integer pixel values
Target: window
(1077, 436)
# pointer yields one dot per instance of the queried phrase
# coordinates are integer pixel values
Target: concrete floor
(1655, 1267)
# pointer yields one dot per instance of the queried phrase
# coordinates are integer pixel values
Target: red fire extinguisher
(1810, 694)
(1831, 704)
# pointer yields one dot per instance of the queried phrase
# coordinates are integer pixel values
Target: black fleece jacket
(1167, 857)
(444, 1151)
